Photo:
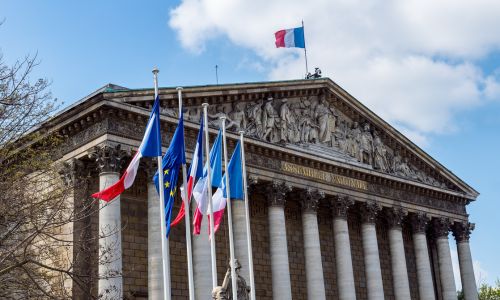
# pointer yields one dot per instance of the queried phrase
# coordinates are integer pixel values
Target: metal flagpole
(229, 215)
(247, 212)
(209, 194)
(164, 241)
(305, 51)
(187, 214)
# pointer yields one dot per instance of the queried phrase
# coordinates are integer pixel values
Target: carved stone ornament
(71, 172)
(150, 166)
(276, 193)
(369, 211)
(313, 123)
(395, 216)
(419, 222)
(252, 183)
(309, 199)
(108, 158)
(462, 231)
(441, 227)
(340, 205)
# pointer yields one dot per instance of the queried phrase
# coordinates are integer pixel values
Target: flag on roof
(289, 38)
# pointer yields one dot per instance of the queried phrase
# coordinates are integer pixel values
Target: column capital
(276, 193)
(340, 205)
(441, 227)
(150, 166)
(309, 199)
(108, 158)
(419, 222)
(462, 231)
(252, 182)
(72, 172)
(369, 212)
(395, 216)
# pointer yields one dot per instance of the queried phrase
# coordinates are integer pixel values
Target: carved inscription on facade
(323, 176)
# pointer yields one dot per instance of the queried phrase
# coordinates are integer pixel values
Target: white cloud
(412, 62)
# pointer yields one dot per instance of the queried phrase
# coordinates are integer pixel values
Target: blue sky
(430, 69)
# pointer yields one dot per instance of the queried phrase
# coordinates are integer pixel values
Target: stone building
(343, 206)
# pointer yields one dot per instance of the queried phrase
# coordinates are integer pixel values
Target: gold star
(166, 171)
(172, 193)
(167, 184)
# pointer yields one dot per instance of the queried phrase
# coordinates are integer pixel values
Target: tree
(37, 211)
(485, 291)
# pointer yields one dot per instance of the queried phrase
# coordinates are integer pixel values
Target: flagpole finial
(179, 88)
(241, 132)
(155, 70)
(204, 104)
(223, 118)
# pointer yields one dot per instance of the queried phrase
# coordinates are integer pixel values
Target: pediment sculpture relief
(312, 123)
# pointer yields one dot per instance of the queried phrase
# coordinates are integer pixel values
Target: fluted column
(202, 268)
(401, 285)
(461, 231)
(419, 223)
(312, 248)
(375, 288)
(155, 265)
(109, 162)
(282, 288)
(441, 227)
(343, 258)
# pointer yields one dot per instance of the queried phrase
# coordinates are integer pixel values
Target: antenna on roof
(216, 74)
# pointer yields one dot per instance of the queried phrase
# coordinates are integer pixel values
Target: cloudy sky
(430, 68)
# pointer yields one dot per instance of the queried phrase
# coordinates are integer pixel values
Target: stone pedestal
(312, 247)
(375, 288)
(343, 258)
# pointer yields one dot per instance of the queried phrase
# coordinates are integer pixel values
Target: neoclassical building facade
(342, 205)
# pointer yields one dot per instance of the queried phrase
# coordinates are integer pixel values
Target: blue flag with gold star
(172, 162)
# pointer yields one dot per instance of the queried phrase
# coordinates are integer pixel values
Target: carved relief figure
(326, 120)
(238, 116)
(379, 153)
(255, 119)
(270, 117)
(354, 137)
(286, 121)
(366, 146)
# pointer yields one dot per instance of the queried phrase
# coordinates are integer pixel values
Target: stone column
(312, 248)
(202, 260)
(419, 223)
(282, 288)
(343, 258)
(155, 264)
(240, 237)
(461, 231)
(400, 282)
(109, 162)
(441, 227)
(375, 288)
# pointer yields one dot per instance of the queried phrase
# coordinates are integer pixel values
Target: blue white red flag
(289, 38)
(195, 172)
(220, 198)
(201, 188)
(150, 147)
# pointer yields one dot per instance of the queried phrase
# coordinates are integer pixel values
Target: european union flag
(172, 161)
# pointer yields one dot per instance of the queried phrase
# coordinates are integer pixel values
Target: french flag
(220, 198)
(201, 188)
(195, 172)
(150, 147)
(290, 38)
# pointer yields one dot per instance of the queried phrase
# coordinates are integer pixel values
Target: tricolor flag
(219, 199)
(289, 38)
(195, 172)
(172, 162)
(201, 188)
(150, 147)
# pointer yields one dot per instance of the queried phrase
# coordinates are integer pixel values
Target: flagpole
(187, 214)
(229, 214)
(305, 51)
(210, 202)
(164, 241)
(247, 212)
